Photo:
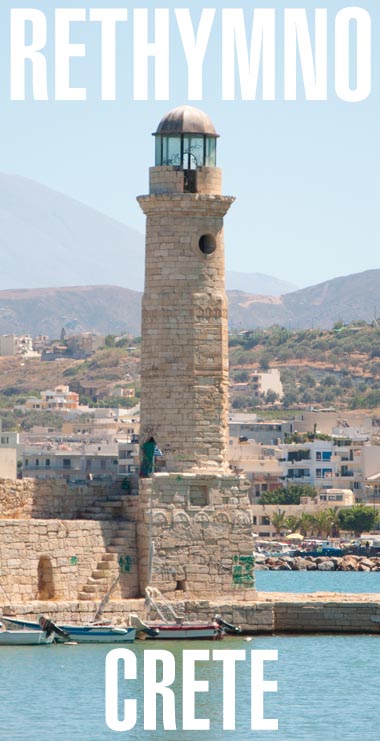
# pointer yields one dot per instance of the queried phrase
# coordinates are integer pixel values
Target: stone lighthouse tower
(184, 361)
(194, 528)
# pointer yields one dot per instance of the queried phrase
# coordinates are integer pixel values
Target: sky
(305, 174)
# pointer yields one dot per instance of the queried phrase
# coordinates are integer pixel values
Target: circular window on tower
(207, 244)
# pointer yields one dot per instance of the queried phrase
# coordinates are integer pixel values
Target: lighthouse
(184, 354)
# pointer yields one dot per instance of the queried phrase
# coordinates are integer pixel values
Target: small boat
(174, 627)
(25, 637)
(88, 633)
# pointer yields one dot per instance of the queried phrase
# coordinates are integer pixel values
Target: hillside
(99, 309)
(345, 299)
(114, 310)
(257, 283)
(338, 367)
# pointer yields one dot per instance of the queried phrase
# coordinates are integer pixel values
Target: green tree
(305, 523)
(291, 523)
(358, 519)
(322, 523)
(288, 494)
(278, 521)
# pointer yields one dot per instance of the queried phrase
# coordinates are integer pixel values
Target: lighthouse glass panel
(171, 150)
(193, 152)
(210, 159)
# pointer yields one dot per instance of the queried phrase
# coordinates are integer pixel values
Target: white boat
(176, 629)
(25, 637)
(173, 626)
(89, 633)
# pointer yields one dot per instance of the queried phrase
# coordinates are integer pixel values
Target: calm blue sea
(328, 686)
(328, 689)
(318, 581)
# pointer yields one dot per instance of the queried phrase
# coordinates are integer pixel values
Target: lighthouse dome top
(186, 120)
(186, 139)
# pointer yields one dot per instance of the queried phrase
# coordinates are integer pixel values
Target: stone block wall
(200, 529)
(340, 615)
(165, 179)
(56, 498)
(184, 355)
(209, 180)
(57, 558)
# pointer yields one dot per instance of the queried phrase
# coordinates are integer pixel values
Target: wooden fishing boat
(24, 637)
(172, 626)
(88, 633)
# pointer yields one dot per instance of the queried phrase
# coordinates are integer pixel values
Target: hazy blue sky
(306, 175)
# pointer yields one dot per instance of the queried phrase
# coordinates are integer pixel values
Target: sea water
(328, 685)
(328, 689)
(318, 581)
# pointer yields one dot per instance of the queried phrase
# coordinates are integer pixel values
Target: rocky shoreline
(319, 563)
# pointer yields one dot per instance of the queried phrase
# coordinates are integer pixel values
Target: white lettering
(158, 49)
(190, 687)
(20, 52)
(229, 659)
(64, 51)
(108, 17)
(258, 687)
(297, 34)
(195, 48)
(112, 694)
(363, 86)
(262, 46)
(152, 688)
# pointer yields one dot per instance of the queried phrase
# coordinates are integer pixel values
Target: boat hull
(98, 634)
(25, 638)
(83, 633)
(186, 631)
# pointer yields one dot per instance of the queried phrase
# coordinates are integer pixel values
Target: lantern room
(186, 138)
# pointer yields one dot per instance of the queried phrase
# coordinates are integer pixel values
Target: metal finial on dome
(186, 120)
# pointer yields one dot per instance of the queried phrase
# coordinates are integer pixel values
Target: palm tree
(322, 522)
(291, 523)
(305, 523)
(278, 521)
(335, 521)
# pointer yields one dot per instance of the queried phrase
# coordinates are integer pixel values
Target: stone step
(90, 588)
(98, 575)
(113, 549)
(103, 566)
(85, 595)
(118, 541)
(111, 557)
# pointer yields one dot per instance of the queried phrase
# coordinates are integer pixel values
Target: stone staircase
(115, 504)
(118, 560)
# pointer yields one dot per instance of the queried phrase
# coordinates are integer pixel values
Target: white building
(265, 381)
(10, 345)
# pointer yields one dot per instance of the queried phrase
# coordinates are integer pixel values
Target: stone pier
(271, 614)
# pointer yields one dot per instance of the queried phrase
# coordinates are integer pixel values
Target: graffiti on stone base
(125, 563)
(243, 571)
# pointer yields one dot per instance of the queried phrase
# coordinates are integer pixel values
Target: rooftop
(186, 120)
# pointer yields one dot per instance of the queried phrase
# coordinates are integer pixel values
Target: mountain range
(114, 310)
(50, 239)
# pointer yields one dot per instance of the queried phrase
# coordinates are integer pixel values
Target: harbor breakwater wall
(270, 614)
(320, 563)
